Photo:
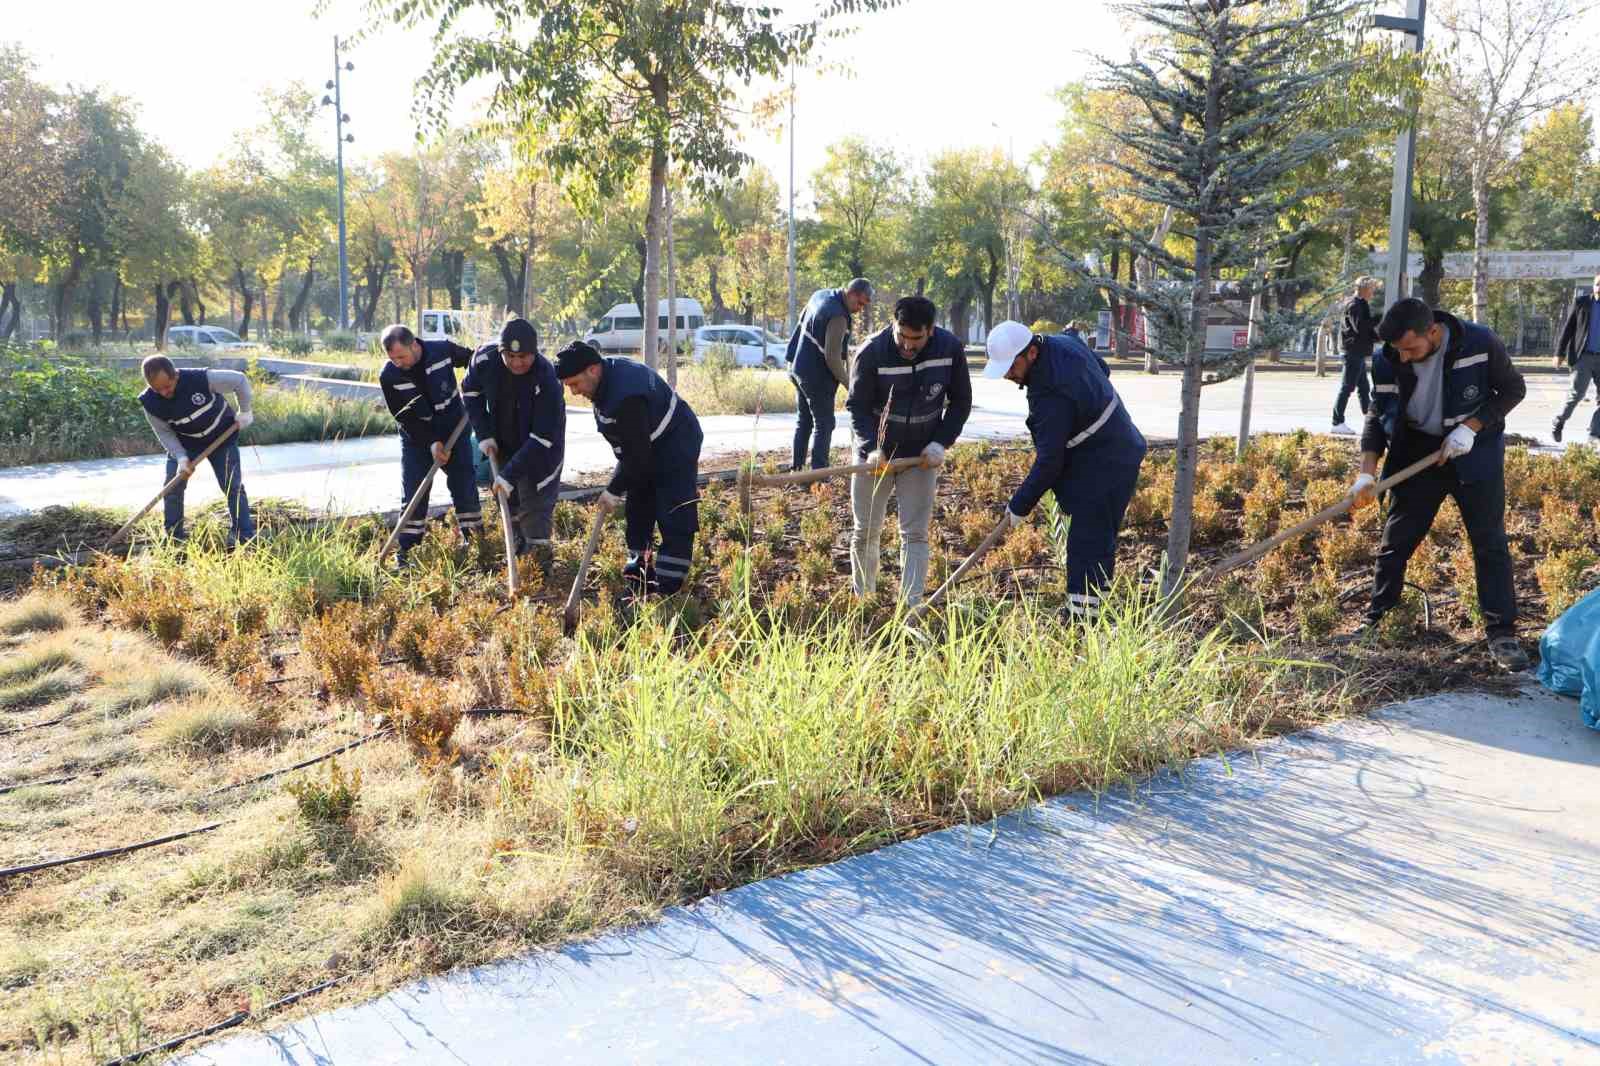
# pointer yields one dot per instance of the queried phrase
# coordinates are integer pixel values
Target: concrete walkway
(1423, 885)
(360, 476)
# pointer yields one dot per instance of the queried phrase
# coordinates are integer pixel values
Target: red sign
(1241, 338)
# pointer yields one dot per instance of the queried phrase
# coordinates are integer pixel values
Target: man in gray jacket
(1579, 348)
(186, 410)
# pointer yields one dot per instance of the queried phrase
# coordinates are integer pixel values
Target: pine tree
(1226, 95)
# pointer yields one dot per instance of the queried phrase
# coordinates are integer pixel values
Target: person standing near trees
(1357, 338)
(1088, 450)
(1579, 348)
(514, 400)
(911, 380)
(186, 410)
(818, 351)
(656, 438)
(1443, 386)
(419, 385)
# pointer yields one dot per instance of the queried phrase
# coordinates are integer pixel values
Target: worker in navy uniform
(819, 351)
(911, 380)
(186, 410)
(1088, 451)
(419, 385)
(515, 403)
(1441, 385)
(656, 438)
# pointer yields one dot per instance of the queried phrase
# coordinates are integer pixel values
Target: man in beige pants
(910, 395)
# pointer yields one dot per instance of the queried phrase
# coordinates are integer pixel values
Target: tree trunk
(416, 294)
(719, 310)
(638, 281)
(960, 310)
(116, 300)
(1119, 338)
(1182, 526)
(1480, 248)
(193, 286)
(1146, 275)
(297, 310)
(1430, 278)
(185, 308)
(514, 280)
(672, 300)
(95, 311)
(651, 307)
(64, 289)
(163, 312)
(9, 304)
(1249, 374)
(455, 264)
(246, 297)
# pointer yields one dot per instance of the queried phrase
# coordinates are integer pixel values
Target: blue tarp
(1569, 656)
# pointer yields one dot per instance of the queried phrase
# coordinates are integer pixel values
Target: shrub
(421, 709)
(341, 341)
(333, 803)
(341, 646)
(297, 345)
(1561, 578)
(1046, 326)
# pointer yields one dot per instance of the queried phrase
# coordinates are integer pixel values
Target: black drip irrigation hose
(35, 725)
(227, 1023)
(106, 853)
(51, 781)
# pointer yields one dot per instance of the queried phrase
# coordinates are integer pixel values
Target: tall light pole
(1405, 153)
(340, 139)
(792, 283)
(1007, 236)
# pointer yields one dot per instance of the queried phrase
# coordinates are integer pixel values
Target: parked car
(208, 339)
(751, 345)
(621, 330)
(440, 325)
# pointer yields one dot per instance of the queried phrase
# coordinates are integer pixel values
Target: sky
(930, 75)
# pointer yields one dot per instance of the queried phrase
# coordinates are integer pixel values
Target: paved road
(364, 475)
(1423, 885)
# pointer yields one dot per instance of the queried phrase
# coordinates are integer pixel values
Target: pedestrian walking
(818, 352)
(1357, 338)
(1579, 349)
(187, 411)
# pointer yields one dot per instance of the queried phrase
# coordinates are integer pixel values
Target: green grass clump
(701, 760)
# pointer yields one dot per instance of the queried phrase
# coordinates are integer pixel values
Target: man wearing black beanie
(656, 438)
(517, 411)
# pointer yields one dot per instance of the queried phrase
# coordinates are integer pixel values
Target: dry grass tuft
(36, 613)
(208, 726)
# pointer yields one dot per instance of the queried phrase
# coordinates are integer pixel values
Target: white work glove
(609, 500)
(877, 460)
(933, 455)
(502, 487)
(245, 420)
(1364, 490)
(186, 469)
(441, 454)
(1458, 443)
(489, 448)
(1013, 519)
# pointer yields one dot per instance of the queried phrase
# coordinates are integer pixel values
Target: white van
(208, 339)
(440, 325)
(621, 330)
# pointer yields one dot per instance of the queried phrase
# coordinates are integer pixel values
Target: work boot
(1555, 430)
(1507, 653)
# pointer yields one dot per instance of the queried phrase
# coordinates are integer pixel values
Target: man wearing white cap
(1088, 450)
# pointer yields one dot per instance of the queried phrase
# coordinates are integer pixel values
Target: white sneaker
(1343, 430)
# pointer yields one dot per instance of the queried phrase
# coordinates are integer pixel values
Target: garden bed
(760, 723)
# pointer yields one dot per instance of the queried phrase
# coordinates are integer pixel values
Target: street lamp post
(1405, 152)
(340, 139)
(792, 280)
